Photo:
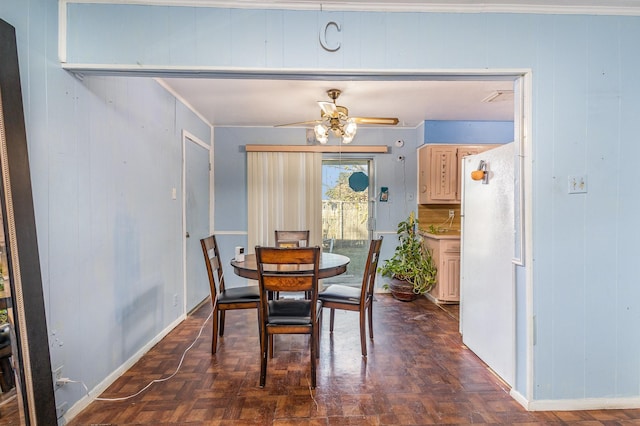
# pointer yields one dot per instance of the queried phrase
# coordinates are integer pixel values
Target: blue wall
(585, 98)
(230, 172)
(105, 153)
(457, 131)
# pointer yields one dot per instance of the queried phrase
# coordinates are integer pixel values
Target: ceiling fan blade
(328, 108)
(376, 120)
(300, 123)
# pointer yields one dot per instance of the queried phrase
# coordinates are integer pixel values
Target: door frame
(523, 122)
(523, 116)
(188, 137)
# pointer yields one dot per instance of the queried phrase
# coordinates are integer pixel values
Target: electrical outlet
(452, 214)
(57, 375)
(175, 299)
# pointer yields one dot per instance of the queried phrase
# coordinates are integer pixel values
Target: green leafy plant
(411, 262)
(433, 229)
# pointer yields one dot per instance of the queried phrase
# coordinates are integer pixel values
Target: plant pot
(402, 290)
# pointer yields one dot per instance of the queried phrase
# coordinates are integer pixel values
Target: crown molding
(570, 7)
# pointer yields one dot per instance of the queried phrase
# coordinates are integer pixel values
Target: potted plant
(411, 269)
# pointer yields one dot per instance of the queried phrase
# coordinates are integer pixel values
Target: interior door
(196, 214)
(487, 289)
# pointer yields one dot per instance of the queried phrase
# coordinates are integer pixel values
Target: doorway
(196, 192)
(522, 107)
(347, 213)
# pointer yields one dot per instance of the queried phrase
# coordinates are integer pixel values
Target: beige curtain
(285, 193)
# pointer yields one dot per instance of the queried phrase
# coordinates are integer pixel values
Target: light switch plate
(577, 184)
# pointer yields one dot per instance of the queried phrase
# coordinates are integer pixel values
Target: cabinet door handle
(424, 188)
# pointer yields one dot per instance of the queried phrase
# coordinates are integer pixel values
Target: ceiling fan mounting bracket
(334, 94)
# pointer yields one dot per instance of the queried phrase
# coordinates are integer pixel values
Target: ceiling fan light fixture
(323, 139)
(350, 128)
(334, 119)
(322, 133)
(349, 131)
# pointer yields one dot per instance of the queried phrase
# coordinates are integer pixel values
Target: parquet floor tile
(418, 372)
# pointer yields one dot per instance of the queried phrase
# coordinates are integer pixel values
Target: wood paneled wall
(438, 216)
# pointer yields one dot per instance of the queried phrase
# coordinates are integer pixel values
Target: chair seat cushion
(340, 294)
(5, 335)
(240, 294)
(290, 311)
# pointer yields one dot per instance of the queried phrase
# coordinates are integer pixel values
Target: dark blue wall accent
(455, 131)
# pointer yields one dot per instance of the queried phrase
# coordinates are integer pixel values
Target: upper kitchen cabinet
(439, 171)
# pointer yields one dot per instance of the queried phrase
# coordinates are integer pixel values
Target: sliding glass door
(347, 225)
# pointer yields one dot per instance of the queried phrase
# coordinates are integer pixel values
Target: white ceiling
(260, 102)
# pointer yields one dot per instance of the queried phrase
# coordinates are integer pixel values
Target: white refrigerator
(487, 285)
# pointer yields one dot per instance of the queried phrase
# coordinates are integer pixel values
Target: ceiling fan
(335, 118)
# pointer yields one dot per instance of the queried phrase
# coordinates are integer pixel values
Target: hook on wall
(481, 173)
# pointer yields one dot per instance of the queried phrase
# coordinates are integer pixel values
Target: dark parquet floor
(418, 372)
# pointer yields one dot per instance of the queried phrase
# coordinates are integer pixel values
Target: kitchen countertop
(445, 235)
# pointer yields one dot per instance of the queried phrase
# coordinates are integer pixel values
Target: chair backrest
(288, 269)
(370, 270)
(292, 238)
(214, 266)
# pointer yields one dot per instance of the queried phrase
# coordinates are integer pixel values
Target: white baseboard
(108, 381)
(585, 404)
(520, 399)
(576, 404)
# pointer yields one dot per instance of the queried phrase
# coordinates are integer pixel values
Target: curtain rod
(359, 149)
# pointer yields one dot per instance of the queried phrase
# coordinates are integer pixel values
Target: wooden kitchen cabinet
(438, 182)
(438, 172)
(446, 255)
(423, 167)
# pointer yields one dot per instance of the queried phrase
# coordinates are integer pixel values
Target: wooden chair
(338, 296)
(7, 380)
(224, 299)
(287, 239)
(291, 238)
(288, 270)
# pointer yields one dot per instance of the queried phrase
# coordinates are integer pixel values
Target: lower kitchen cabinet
(445, 250)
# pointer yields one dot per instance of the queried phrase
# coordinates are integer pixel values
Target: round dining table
(331, 265)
